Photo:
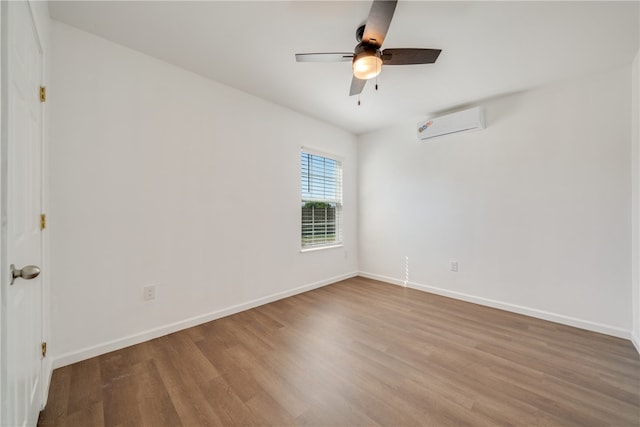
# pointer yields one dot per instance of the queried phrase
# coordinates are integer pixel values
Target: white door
(22, 160)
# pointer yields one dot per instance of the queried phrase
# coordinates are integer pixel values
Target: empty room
(325, 213)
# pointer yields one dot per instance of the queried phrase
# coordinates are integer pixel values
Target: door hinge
(43, 221)
(43, 346)
(43, 94)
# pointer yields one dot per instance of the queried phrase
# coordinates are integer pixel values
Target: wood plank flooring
(359, 352)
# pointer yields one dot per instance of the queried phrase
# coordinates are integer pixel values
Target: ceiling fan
(367, 56)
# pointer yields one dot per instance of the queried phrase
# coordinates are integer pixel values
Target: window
(321, 201)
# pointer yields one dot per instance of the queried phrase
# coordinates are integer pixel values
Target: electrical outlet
(149, 293)
(453, 266)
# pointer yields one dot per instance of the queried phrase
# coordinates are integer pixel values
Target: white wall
(159, 176)
(635, 167)
(536, 208)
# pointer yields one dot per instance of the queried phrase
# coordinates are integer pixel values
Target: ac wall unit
(471, 119)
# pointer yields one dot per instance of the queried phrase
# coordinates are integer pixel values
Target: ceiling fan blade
(409, 56)
(356, 86)
(324, 57)
(375, 29)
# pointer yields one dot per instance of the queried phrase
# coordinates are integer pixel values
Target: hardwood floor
(359, 352)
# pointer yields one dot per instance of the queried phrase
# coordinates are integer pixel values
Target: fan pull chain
(358, 100)
(378, 71)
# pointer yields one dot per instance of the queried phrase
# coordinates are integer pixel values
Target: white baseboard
(635, 339)
(527, 311)
(117, 344)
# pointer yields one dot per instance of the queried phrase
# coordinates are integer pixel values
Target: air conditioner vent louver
(471, 119)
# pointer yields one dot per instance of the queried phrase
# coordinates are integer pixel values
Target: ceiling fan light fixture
(367, 62)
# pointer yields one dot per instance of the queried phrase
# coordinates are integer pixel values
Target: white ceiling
(489, 48)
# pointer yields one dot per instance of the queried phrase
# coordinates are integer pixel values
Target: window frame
(339, 242)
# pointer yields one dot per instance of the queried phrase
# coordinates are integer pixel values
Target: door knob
(28, 272)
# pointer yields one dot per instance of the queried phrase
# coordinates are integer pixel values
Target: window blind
(321, 190)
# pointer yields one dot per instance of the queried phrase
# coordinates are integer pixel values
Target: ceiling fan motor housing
(359, 33)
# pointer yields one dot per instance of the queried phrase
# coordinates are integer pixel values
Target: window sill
(320, 248)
